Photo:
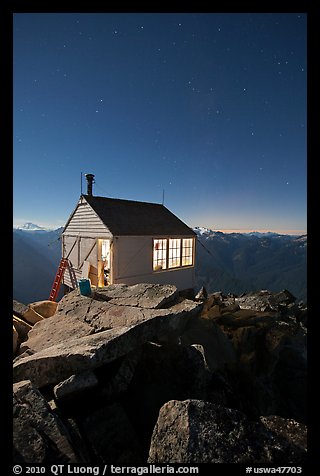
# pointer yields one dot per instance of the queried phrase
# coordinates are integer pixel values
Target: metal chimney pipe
(90, 181)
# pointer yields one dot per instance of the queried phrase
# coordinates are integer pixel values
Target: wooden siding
(85, 222)
(67, 280)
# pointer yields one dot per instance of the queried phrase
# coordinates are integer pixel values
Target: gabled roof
(131, 218)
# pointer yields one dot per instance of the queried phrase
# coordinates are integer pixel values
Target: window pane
(174, 253)
(159, 254)
(187, 251)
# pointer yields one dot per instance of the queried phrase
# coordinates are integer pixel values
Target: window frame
(182, 253)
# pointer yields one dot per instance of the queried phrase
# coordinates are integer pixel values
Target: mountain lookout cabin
(114, 241)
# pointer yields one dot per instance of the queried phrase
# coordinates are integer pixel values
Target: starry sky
(205, 110)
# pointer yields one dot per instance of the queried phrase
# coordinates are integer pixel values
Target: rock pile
(24, 317)
(139, 373)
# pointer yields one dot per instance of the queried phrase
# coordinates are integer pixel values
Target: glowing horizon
(264, 230)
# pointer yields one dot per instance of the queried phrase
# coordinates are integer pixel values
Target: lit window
(174, 253)
(159, 254)
(187, 251)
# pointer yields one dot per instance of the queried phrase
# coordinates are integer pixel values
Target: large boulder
(58, 362)
(32, 316)
(44, 308)
(39, 436)
(123, 306)
(150, 296)
(128, 328)
(75, 385)
(143, 295)
(53, 331)
(194, 431)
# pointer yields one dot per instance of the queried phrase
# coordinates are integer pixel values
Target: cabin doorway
(104, 263)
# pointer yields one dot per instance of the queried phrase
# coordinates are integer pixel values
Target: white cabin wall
(71, 249)
(133, 263)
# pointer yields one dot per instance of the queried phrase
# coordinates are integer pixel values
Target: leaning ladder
(64, 263)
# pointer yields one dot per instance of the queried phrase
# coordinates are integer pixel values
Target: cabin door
(104, 263)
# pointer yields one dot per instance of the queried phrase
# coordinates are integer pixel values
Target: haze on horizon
(53, 226)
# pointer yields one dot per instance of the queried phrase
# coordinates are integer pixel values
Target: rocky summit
(138, 374)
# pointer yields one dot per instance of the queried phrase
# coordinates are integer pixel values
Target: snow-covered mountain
(31, 227)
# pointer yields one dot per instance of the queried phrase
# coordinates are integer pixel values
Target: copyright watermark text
(61, 469)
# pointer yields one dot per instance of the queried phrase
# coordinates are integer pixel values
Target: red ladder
(64, 263)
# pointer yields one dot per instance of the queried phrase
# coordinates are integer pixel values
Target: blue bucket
(85, 287)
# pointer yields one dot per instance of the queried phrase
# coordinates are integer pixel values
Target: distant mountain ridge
(203, 231)
(36, 255)
(238, 263)
(229, 262)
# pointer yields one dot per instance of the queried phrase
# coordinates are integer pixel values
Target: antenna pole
(163, 196)
(81, 183)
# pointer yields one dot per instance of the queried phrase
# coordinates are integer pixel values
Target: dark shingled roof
(128, 217)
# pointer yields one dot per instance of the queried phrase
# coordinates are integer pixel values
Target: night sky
(211, 108)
